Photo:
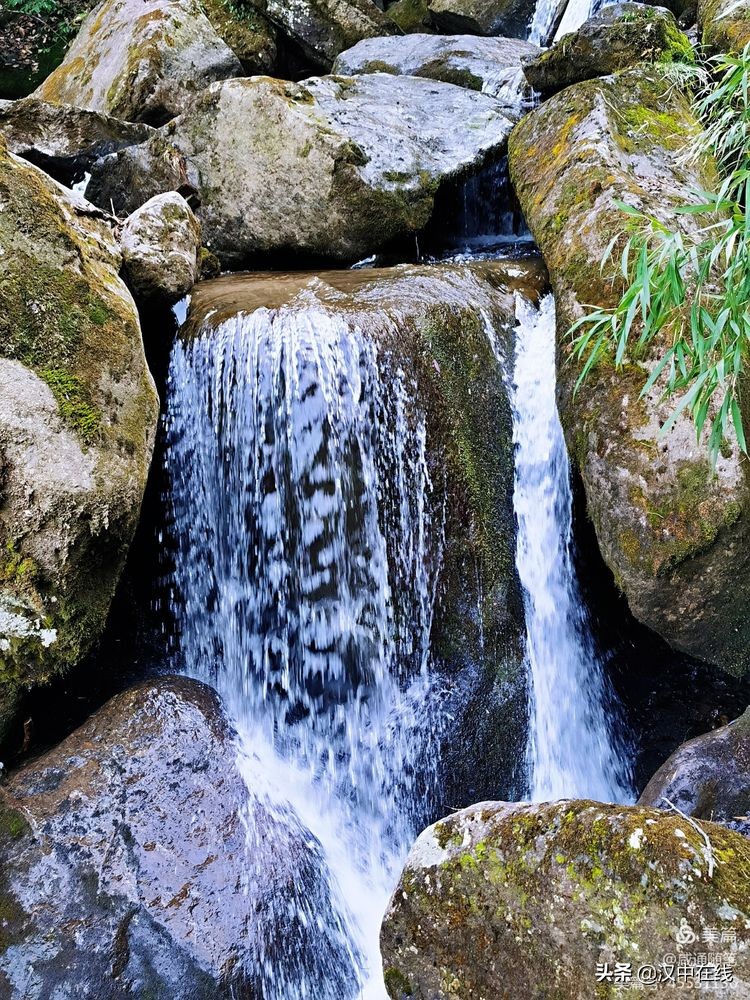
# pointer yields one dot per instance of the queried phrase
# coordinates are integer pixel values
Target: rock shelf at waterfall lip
(223, 297)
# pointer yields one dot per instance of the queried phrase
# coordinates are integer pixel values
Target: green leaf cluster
(687, 289)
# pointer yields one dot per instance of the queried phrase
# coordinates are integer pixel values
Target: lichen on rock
(160, 243)
(525, 900)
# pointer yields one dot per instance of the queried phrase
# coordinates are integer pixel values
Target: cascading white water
(574, 749)
(306, 556)
(554, 18)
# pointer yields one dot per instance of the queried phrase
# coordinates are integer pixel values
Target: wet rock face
(614, 39)
(140, 61)
(78, 413)
(366, 154)
(135, 827)
(160, 243)
(490, 65)
(518, 900)
(65, 141)
(427, 324)
(673, 531)
(724, 24)
(510, 18)
(323, 28)
(708, 777)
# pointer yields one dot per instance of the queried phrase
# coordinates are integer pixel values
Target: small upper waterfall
(574, 747)
(553, 19)
(306, 553)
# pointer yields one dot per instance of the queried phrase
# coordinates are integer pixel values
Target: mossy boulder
(65, 141)
(160, 243)
(708, 777)
(724, 25)
(509, 900)
(320, 29)
(614, 39)
(490, 65)
(140, 60)
(432, 330)
(673, 530)
(510, 18)
(78, 413)
(126, 869)
(334, 166)
(248, 34)
(411, 16)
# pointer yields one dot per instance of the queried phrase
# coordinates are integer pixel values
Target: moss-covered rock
(78, 415)
(724, 24)
(708, 777)
(673, 530)
(334, 166)
(614, 39)
(510, 18)
(248, 34)
(411, 16)
(490, 65)
(321, 29)
(126, 870)
(140, 60)
(517, 900)
(160, 243)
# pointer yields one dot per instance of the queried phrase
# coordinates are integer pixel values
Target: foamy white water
(574, 748)
(307, 552)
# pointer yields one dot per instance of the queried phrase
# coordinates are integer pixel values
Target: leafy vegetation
(687, 288)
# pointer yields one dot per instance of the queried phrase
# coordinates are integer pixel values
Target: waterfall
(306, 554)
(574, 748)
(552, 19)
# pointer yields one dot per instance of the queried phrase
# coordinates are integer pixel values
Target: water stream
(307, 550)
(575, 747)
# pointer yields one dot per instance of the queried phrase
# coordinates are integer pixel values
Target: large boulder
(160, 243)
(619, 36)
(323, 28)
(334, 166)
(543, 900)
(510, 18)
(431, 330)
(490, 65)
(673, 530)
(724, 24)
(127, 867)
(78, 414)
(141, 60)
(65, 141)
(708, 777)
